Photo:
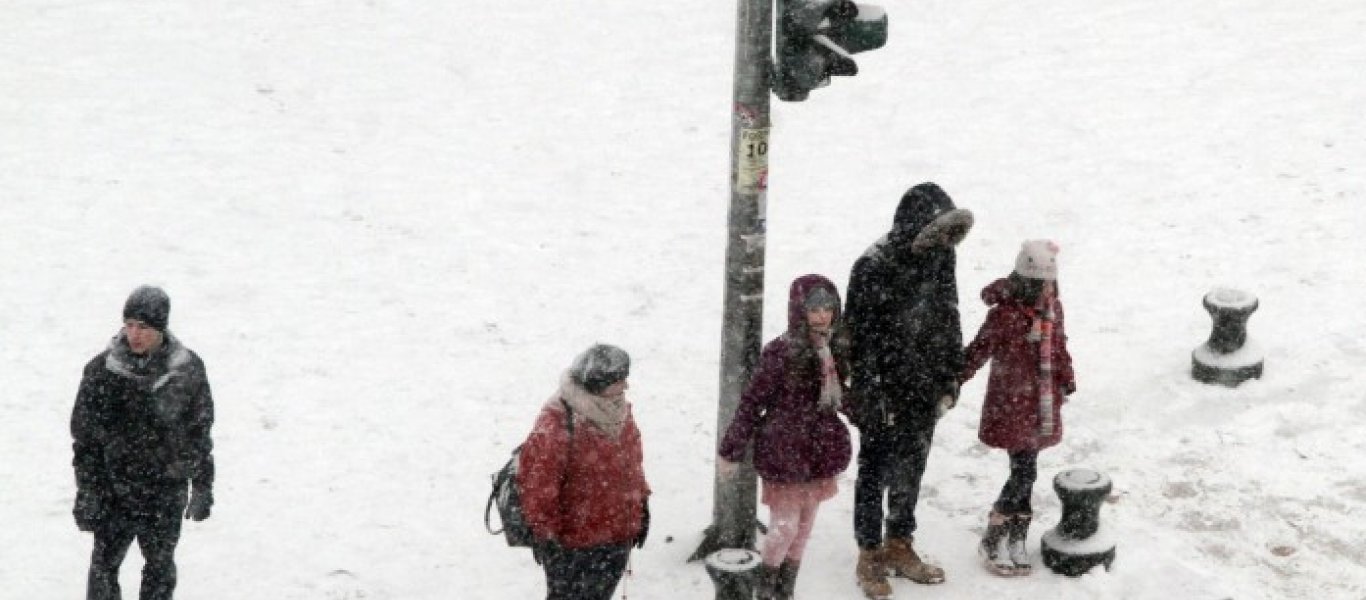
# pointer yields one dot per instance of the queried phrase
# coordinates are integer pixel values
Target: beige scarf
(607, 413)
(832, 395)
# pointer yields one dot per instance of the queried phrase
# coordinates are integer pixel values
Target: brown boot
(902, 560)
(872, 574)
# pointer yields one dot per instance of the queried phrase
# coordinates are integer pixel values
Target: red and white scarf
(1042, 332)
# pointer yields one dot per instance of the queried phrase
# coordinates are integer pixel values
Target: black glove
(644, 524)
(542, 550)
(88, 511)
(201, 500)
(951, 390)
(855, 410)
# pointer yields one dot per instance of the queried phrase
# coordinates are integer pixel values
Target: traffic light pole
(733, 503)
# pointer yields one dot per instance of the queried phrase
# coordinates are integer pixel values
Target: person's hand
(544, 549)
(946, 403)
(201, 500)
(644, 524)
(87, 511)
(726, 468)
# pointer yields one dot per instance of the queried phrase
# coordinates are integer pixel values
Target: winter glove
(644, 524)
(88, 510)
(543, 550)
(201, 500)
(857, 411)
(946, 403)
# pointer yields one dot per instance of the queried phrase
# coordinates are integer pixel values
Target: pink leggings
(790, 517)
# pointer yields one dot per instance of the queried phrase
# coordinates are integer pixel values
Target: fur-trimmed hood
(927, 218)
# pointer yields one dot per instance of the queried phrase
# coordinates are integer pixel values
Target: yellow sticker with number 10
(752, 175)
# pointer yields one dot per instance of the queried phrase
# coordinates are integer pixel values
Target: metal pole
(733, 508)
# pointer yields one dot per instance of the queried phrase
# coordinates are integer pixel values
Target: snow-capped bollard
(1079, 542)
(732, 570)
(1228, 358)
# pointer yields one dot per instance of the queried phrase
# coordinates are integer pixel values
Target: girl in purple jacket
(1031, 377)
(789, 412)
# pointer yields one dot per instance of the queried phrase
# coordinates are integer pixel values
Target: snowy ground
(387, 226)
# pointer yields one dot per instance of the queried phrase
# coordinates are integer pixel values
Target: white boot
(993, 549)
(1017, 536)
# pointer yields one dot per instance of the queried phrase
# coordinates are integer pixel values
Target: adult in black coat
(141, 437)
(906, 352)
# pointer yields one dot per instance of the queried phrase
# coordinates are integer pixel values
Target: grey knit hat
(599, 367)
(150, 305)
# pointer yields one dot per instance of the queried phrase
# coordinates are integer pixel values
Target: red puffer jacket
(582, 490)
(1010, 412)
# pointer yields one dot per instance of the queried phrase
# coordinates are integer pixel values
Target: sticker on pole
(751, 175)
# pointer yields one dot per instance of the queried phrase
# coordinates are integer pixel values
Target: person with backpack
(1031, 377)
(789, 412)
(582, 479)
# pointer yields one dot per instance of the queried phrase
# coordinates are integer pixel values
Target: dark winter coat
(1010, 412)
(906, 340)
(586, 489)
(794, 440)
(141, 424)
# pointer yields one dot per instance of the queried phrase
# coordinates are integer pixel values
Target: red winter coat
(794, 440)
(1010, 412)
(586, 491)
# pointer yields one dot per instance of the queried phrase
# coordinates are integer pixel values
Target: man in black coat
(141, 438)
(906, 352)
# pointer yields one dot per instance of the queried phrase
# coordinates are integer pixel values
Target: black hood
(927, 217)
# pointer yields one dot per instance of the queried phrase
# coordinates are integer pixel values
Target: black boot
(766, 583)
(787, 579)
(1017, 534)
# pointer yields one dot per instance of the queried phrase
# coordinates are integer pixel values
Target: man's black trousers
(152, 516)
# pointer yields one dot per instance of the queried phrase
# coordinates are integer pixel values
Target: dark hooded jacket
(794, 439)
(141, 423)
(906, 340)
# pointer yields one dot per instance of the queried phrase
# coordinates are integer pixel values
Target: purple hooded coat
(794, 439)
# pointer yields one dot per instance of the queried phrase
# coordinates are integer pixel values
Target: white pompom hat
(1038, 259)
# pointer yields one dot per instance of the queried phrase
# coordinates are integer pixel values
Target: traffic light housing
(816, 39)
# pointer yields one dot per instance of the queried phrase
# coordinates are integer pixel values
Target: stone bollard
(1079, 542)
(732, 570)
(1227, 358)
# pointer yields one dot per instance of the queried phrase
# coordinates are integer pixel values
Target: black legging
(1015, 494)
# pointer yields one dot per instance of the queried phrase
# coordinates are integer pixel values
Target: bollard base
(1207, 367)
(1074, 558)
(732, 570)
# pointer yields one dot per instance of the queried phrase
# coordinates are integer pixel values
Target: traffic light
(816, 39)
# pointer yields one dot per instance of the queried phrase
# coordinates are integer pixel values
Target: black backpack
(508, 498)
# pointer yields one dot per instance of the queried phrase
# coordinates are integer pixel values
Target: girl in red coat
(1031, 377)
(582, 480)
(789, 415)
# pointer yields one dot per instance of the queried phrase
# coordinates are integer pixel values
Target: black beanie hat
(149, 305)
(599, 367)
